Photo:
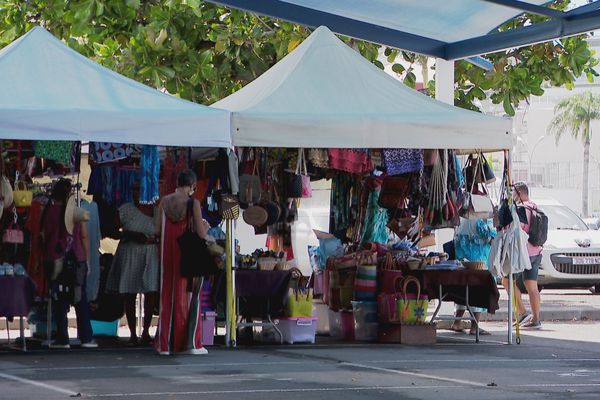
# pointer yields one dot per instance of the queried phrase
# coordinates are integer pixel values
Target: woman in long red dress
(179, 325)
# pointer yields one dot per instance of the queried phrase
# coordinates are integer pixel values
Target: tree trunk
(586, 169)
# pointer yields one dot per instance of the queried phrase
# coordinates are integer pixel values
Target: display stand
(470, 317)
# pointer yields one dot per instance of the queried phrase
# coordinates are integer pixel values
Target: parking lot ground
(561, 361)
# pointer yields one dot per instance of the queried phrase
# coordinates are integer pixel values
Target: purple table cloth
(16, 296)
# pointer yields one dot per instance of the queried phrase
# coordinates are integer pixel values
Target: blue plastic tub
(101, 328)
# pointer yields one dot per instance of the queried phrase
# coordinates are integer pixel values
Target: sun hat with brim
(74, 215)
(6, 192)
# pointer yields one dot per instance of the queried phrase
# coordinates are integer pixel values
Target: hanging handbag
(229, 206)
(300, 182)
(13, 234)
(477, 204)
(299, 303)
(250, 187)
(488, 172)
(319, 157)
(394, 192)
(211, 204)
(21, 195)
(196, 260)
(402, 161)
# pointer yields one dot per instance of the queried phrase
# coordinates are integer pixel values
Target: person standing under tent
(135, 267)
(529, 277)
(65, 243)
(179, 324)
(472, 241)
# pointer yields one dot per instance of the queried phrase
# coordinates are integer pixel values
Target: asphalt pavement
(562, 361)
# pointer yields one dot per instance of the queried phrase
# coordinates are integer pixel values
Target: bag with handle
(365, 283)
(300, 183)
(13, 234)
(477, 203)
(412, 308)
(388, 274)
(299, 303)
(196, 260)
(250, 187)
(22, 195)
(394, 191)
(387, 302)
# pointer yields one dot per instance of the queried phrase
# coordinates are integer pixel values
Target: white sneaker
(196, 352)
(89, 345)
(58, 346)
(164, 353)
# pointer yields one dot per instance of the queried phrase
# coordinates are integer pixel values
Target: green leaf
(398, 68)
(379, 64)
(410, 80)
(508, 107)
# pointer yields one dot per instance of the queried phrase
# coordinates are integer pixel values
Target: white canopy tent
(325, 94)
(50, 91)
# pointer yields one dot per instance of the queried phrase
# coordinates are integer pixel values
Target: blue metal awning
(448, 29)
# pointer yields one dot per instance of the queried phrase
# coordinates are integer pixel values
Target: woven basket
(268, 263)
(474, 265)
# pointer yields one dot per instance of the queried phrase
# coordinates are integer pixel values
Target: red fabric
(174, 298)
(35, 263)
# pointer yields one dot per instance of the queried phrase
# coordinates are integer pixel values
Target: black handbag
(196, 260)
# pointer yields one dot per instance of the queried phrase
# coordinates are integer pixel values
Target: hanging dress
(179, 325)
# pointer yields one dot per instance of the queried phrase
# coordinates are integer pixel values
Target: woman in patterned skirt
(135, 268)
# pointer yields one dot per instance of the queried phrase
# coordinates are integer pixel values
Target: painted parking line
(524, 361)
(264, 391)
(43, 385)
(418, 375)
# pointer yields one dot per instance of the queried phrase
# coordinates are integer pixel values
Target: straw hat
(6, 194)
(74, 215)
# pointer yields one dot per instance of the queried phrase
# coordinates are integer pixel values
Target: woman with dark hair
(66, 251)
(179, 327)
(135, 265)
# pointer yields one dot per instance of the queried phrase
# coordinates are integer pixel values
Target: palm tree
(574, 115)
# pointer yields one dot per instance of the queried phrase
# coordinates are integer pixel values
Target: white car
(571, 255)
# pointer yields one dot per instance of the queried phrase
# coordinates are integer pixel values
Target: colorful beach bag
(365, 283)
(412, 308)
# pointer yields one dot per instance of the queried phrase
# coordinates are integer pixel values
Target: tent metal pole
(444, 81)
(230, 315)
(508, 159)
(228, 270)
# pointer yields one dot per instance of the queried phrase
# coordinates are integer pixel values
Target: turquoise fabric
(149, 174)
(472, 239)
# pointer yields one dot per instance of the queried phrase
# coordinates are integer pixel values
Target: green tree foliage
(573, 115)
(203, 52)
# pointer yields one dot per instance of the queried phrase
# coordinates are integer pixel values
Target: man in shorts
(529, 277)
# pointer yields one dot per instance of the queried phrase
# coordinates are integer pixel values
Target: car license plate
(586, 260)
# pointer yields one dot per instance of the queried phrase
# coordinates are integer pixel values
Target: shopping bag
(412, 308)
(341, 288)
(388, 275)
(365, 283)
(387, 303)
(299, 303)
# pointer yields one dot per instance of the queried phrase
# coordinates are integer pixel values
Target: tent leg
(230, 317)
(444, 80)
(508, 159)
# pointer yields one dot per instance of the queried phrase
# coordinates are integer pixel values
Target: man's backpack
(538, 226)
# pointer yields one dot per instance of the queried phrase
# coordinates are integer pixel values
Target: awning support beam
(530, 8)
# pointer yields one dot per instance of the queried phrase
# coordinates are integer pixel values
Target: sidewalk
(557, 305)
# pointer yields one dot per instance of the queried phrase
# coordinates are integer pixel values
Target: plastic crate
(341, 324)
(208, 328)
(102, 328)
(366, 324)
(293, 330)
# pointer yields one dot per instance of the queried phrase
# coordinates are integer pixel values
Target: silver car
(571, 255)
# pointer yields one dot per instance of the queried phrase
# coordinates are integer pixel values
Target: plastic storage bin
(320, 310)
(293, 330)
(366, 324)
(341, 325)
(208, 328)
(102, 328)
